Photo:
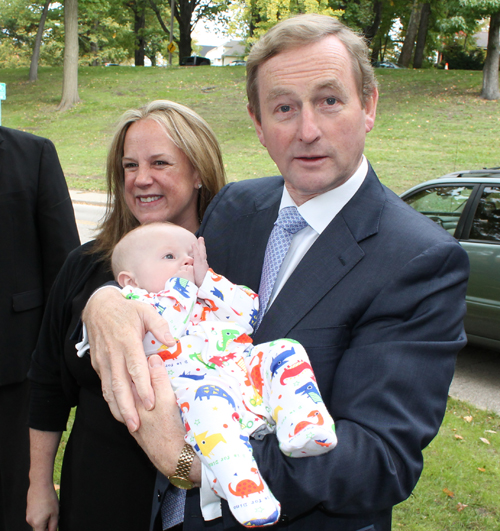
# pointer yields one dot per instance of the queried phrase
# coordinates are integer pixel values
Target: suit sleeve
(389, 394)
(55, 217)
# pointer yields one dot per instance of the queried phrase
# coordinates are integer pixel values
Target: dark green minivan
(467, 205)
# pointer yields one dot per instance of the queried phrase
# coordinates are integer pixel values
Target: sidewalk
(88, 198)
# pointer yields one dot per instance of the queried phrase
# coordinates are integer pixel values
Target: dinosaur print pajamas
(229, 389)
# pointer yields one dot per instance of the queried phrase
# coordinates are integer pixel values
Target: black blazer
(38, 230)
(378, 303)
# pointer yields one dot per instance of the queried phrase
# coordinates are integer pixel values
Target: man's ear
(257, 125)
(371, 110)
(125, 278)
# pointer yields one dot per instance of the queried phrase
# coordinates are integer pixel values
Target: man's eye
(331, 101)
(169, 256)
(285, 108)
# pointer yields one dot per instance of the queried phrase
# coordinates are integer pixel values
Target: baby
(227, 388)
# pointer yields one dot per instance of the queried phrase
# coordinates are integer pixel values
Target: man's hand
(161, 434)
(116, 328)
(200, 261)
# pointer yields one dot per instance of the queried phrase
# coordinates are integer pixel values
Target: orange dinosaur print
(256, 375)
(246, 486)
(168, 355)
(301, 425)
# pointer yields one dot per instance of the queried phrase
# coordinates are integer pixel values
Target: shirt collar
(320, 210)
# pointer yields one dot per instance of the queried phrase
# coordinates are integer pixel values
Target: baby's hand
(200, 261)
(187, 272)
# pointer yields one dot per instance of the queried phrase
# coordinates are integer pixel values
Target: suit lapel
(334, 254)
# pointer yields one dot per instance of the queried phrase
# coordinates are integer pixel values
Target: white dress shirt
(318, 212)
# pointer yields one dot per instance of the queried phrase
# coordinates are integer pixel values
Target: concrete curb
(88, 198)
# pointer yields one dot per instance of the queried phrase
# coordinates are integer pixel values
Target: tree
(422, 35)
(33, 75)
(411, 33)
(490, 71)
(187, 13)
(491, 8)
(70, 71)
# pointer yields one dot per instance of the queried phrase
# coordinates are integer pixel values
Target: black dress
(107, 481)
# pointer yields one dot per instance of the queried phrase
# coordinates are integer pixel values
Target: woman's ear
(125, 278)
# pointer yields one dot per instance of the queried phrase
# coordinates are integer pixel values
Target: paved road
(477, 378)
(89, 209)
(477, 375)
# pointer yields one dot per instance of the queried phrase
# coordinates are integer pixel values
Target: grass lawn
(430, 122)
(459, 486)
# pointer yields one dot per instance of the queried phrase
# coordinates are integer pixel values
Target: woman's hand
(42, 512)
(116, 328)
(161, 434)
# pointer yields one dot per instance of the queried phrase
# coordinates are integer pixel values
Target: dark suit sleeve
(388, 396)
(56, 224)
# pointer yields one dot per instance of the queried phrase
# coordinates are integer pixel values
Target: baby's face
(165, 252)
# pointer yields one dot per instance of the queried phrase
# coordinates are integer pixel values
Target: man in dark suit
(38, 230)
(373, 290)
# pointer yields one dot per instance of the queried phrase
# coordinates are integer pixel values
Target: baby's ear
(125, 278)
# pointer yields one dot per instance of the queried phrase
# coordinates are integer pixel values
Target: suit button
(284, 519)
(159, 495)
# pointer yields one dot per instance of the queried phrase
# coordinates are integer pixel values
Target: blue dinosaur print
(207, 391)
(311, 391)
(192, 376)
(259, 522)
(180, 285)
(218, 294)
(280, 360)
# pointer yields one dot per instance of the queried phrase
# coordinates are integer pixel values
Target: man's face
(312, 120)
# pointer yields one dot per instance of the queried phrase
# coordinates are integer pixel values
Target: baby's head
(149, 255)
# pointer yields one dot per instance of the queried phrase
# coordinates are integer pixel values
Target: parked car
(467, 205)
(194, 60)
(385, 64)
(238, 62)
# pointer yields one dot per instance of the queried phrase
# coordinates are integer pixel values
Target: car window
(442, 204)
(486, 222)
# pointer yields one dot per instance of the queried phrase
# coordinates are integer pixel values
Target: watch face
(181, 483)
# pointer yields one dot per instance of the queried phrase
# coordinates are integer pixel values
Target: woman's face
(160, 182)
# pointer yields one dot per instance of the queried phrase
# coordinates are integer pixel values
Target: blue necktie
(172, 508)
(288, 223)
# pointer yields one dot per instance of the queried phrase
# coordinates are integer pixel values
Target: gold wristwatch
(180, 478)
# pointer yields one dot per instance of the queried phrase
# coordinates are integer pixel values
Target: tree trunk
(425, 14)
(183, 14)
(38, 42)
(371, 31)
(411, 32)
(94, 47)
(70, 70)
(139, 26)
(490, 70)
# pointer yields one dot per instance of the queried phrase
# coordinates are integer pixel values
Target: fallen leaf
(56, 487)
(484, 440)
(490, 431)
(459, 437)
(468, 418)
(461, 506)
(448, 492)
(481, 469)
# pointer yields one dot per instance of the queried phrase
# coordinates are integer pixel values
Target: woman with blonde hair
(164, 164)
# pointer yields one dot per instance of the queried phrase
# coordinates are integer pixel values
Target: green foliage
(264, 14)
(459, 59)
